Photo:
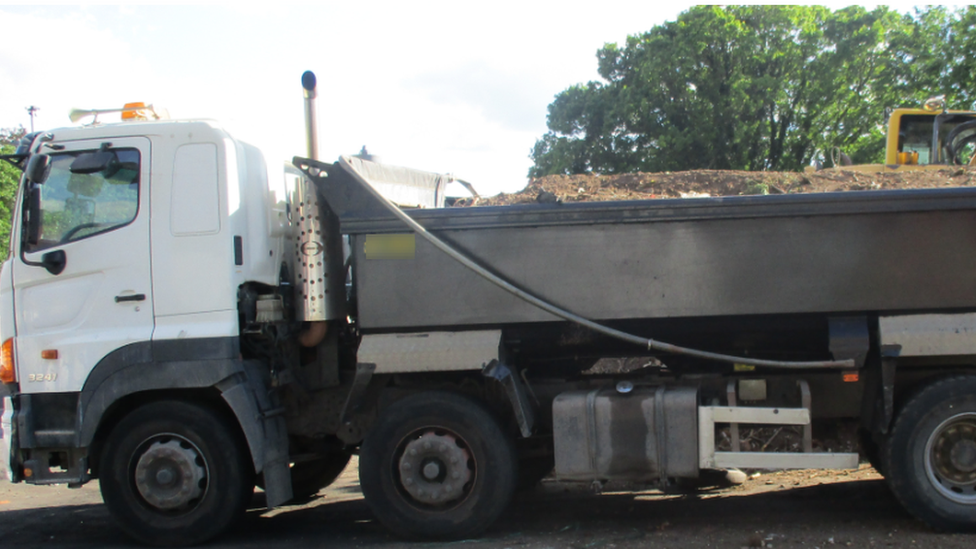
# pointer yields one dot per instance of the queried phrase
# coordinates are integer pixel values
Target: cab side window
(77, 203)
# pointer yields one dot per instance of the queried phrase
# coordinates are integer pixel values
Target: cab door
(94, 207)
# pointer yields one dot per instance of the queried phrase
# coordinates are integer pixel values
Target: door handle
(134, 297)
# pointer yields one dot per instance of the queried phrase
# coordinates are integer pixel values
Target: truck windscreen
(78, 205)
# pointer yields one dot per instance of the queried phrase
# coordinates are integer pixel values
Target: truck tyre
(175, 473)
(437, 465)
(930, 457)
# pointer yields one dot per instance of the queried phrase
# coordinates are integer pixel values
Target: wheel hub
(963, 456)
(434, 469)
(951, 458)
(170, 474)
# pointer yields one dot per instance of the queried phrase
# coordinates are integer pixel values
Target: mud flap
(263, 424)
(515, 390)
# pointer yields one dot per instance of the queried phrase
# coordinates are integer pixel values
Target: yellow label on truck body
(390, 246)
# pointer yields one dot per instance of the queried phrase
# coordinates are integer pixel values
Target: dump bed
(874, 251)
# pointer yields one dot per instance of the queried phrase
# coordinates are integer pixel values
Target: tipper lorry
(183, 321)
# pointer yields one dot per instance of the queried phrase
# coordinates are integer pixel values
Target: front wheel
(175, 473)
(930, 457)
(437, 465)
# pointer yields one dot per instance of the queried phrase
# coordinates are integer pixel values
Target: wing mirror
(38, 168)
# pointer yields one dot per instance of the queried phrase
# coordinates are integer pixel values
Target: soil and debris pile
(699, 183)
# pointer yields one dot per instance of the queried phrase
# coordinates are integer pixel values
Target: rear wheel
(437, 465)
(175, 473)
(930, 457)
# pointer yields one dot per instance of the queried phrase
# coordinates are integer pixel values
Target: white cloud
(127, 10)
(73, 62)
(516, 99)
(442, 86)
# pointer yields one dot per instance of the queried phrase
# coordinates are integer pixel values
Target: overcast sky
(451, 87)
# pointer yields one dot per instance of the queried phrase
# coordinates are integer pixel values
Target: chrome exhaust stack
(311, 133)
(318, 252)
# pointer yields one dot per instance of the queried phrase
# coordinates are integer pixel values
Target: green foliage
(764, 3)
(756, 187)
(757, 88)
(935, 57)
(11, 136)
(9, 178)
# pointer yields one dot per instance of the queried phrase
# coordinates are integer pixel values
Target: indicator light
(8, 373)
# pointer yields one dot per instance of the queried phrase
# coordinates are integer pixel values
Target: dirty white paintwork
(430, 351)
(930, 335)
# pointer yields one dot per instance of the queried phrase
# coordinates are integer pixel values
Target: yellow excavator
(927, 138)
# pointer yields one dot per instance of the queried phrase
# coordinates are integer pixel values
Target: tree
(936, 55)
(755, 88)
(9, 179)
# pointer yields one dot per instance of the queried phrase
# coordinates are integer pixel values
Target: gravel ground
(811, 509)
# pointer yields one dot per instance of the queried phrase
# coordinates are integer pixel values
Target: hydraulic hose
(650, 344)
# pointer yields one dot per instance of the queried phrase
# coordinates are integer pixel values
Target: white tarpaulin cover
(405, 187)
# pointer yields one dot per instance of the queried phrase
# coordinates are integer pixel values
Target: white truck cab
(166, 289)
(197, 195)
(129, 246)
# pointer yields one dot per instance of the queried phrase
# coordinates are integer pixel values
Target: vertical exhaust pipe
(316, 253)
(311, 133)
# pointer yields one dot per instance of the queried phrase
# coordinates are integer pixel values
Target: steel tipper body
(834, 253)
(838, 309)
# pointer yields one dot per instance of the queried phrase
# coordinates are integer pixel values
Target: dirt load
(699, 183)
